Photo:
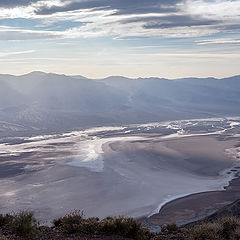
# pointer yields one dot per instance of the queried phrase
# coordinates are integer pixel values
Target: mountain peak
(43, 74)
(36, 73)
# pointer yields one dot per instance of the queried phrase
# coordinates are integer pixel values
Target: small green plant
(23, 223)
(126, 227)
(3, 220)
(70, 223)
(206, 231)
(228, 227)
(224, 228)
(3, 238)
(169, 228)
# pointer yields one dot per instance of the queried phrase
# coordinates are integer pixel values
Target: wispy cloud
(135, 18)
(218, 41)
(159, 33)
(225, 10)
(6, 54)
(196, 55)
(22, 34)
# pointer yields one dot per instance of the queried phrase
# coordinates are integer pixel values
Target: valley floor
(129, 170)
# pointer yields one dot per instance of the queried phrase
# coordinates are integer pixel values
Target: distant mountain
(47, 101)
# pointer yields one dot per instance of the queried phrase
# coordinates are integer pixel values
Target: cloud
(21, 34)
(27, 11)
(26, 3)
(152, 18)
(216, 9)
(218, 41)
(175, 20)
(196, 55)
(124, 18)
(6, 54)
(122, 7)
(14, 3)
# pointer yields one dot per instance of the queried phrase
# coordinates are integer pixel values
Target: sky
(133, 38)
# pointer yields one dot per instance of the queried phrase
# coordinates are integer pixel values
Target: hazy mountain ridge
(51, 102)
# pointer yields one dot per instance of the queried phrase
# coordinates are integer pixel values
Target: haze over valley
(41, 102)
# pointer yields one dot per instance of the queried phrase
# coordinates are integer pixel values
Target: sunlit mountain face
(171, 39)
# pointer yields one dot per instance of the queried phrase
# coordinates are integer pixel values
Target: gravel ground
(51, 234)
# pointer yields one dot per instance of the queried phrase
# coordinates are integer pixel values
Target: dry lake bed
(131, 170)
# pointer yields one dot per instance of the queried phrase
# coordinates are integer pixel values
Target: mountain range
(50, 102)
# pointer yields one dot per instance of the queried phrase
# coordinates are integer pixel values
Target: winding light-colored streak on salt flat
(235, 135)
(166, 123)
(38, 142)
(103, 129)
(180, 134)
(233, 118)
(233, 124)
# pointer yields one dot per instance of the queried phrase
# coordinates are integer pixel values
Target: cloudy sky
(98, 38)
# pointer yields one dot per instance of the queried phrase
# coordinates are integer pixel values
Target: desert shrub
(89, 226)
(23, 223)
(205, 232)
(224, 228)
(126, 227)
(3, 220)
(76, 223)
(170, 228)
(228, 227)
(3, 238)
(119, 226)
(70, 223)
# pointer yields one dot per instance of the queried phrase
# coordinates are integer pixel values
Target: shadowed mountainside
(49, 101)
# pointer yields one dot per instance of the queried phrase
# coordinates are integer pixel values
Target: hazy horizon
(124, 76)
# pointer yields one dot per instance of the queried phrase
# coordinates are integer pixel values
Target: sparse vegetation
(23, 225)
(224, 228)
(120, 226)
(170, 228)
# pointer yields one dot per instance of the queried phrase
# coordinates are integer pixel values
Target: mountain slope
(59, 102)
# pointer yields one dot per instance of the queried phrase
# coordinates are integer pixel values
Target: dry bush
(121, 226)
(22, 223)
(222, 229)
(170, 228)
